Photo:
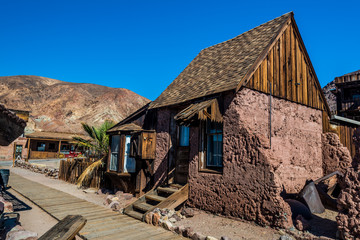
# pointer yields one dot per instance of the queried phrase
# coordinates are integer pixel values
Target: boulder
(128, 196)
(188, 232)
(211, 238)
(198, 236)
(8, 207)
(167, 225)
(187, 212)
(156, 219)
(115, 206)
(108, 199)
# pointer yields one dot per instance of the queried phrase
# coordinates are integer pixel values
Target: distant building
(44, 145)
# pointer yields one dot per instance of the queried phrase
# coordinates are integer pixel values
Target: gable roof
(221, 67)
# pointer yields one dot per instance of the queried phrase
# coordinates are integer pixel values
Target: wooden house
(239, 128)
(44, 145)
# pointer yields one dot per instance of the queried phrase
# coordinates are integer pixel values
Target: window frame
(203, 151)
(111, 154)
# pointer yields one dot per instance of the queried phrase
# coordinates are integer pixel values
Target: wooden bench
(66, 229)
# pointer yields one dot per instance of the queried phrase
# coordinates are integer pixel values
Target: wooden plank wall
(71, 169)
(348, 78)
(288, 70)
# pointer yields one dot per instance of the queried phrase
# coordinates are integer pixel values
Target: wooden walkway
(101, 223)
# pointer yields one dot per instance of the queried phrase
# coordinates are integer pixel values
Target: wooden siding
(348, 78)
(289, 71)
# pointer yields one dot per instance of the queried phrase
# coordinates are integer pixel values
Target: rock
(187, 232)
(8, 207)
(301, 223)
(172, 220)
(156, 219)
(225, 238)
(149, 218)
(115, 199)
(176, 217)
(179, 229)
(119, 194)
(115, 206)
(285, 237)
(198, 236)
(21, 235)
(165, 218)
(211, 238)
(128, 196)
(171, 213)
(187, 212)
(108, 199)
(167, 225)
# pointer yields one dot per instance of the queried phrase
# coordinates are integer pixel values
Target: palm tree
(99, 143)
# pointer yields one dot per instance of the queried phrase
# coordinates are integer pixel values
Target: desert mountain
(59, 106)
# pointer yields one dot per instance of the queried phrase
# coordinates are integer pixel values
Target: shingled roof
(221, 67)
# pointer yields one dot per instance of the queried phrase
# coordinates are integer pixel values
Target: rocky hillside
(330, 97)
(61, 106)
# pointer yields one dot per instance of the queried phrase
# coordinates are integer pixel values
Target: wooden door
(182, 156)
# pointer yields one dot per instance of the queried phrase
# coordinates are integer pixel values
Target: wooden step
(135, 214)
(154, 197)
(174, 185)
(167, 190)
(142, 206)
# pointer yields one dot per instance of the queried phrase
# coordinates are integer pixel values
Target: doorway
(182, 155)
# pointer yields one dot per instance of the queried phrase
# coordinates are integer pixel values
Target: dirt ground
(217, 226)
(202, 222)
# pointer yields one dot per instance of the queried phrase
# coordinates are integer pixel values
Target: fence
(71, 169)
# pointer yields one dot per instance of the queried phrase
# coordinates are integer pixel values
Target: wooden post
(29, 146)
(59, 148)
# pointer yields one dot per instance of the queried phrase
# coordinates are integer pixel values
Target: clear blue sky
(144, 45)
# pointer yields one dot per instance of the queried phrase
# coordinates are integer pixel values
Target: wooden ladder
(169, 196)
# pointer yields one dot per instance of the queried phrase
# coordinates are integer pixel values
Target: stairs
(169, 196)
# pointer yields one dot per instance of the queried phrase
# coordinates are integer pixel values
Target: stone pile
(348, 220)
(38, 168)
(116, 201)
(166, 218)
(12, 227)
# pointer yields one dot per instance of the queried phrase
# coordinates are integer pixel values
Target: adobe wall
(254, 174)
(162, 145)
(336, 157)
(6, 152)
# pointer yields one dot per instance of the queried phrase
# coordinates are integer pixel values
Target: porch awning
(131, 127)
(208, 109)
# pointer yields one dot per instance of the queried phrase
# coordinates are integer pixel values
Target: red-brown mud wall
(163, 144)
(254, 174)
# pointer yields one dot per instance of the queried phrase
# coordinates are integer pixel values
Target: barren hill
(61, 106)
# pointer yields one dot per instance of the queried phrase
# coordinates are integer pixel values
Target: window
(40, 146)
(114, 163)
(211, 152)
(51, 146)
(184, 136)
(129, 162)
(213, 144)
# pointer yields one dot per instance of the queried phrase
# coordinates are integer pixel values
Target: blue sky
(144, 45)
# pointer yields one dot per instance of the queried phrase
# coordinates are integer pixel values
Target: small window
(114, 160)
(184, 136)
(211, 152)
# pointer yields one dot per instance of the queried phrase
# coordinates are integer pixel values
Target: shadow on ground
(323, 227)
(18, 205)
